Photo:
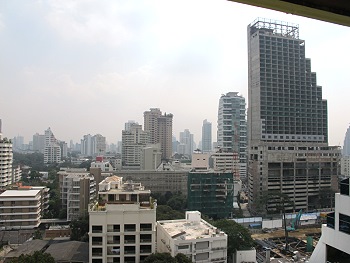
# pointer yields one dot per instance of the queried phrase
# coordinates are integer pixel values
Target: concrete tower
(160, 128)
(287, 120)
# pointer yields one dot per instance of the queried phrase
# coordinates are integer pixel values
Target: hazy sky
(84, 67)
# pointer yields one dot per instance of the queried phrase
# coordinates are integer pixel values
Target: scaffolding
(275, 27)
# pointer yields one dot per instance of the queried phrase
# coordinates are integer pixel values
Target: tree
(274, 202)
(182, 258)
(165, 212)
(37, 257)
(177, 202)
(167, 258)
(80, 228)
(239, 237)
(37, 234)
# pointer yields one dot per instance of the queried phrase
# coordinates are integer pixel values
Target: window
(129, 227)
(146, 227)
(96, 229)
(344, 223)
(344, 187)
(183, 247)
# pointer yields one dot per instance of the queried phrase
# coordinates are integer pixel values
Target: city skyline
(75, 64)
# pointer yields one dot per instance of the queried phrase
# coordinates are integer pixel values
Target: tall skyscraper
(287, 120)
(160, 128)
(206, 136)
(232, 128)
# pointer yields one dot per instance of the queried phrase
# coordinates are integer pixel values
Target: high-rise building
(39, 142)
(18, 143)
(129, 123)
(122, 225)
(98, 145)
(53, 151)
(186, 143)
(77, 188)
(206, 136)
(6, 158)
(133, 141)
(93, 145)
(86, 145)
(232, 128)
(160, 128)
(287, 120)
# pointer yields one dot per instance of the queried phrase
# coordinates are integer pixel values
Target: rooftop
(19, 193)
(191, 228)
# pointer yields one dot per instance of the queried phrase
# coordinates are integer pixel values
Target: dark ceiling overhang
(334, 11)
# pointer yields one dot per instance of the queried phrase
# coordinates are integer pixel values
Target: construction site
(290, 241)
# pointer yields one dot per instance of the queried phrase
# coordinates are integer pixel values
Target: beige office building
(161, 130)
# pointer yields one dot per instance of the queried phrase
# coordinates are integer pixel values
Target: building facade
(165, 179)
(232, 127)
(186, 143)
(227, 162)
(151, 157)
(20, 209)
(122, 223)
(39, 142)
(77, 189)
(6, 159)
(52, 151)
(194, 237)
(287, 119)
(211, 193)
(206, 137)
(160, 128)
(133, 140)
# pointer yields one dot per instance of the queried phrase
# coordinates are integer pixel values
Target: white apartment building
(333, 245)
(20, 209)
(194, 237)
(232, 127)
(6, 158)
(122, 223)
(52, 151)
(77, 188)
